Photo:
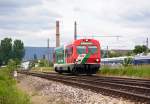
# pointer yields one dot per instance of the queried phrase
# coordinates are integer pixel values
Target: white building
(25, 65)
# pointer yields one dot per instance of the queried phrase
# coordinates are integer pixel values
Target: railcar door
(69, 54)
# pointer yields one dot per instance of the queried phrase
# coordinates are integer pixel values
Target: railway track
(137, 90)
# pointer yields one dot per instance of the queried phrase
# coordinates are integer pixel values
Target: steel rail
(106, 88)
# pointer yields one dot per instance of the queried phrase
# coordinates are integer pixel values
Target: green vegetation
(11, 50)
(9, 93)
(140, 49)
(127, 61)
(43, 64)
(12, 65)
(115, 53)
(142, 71)
(11, 54)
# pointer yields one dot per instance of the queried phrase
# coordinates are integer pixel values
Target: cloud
(31, 18)
(26, 19)
(19, 3)
(27, 23)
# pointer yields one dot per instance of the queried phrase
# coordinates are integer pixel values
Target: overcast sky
(33, 21)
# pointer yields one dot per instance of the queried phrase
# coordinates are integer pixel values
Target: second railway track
(133, 89)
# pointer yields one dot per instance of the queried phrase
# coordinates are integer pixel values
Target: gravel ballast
(44, 91)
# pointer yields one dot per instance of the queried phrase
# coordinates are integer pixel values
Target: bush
(12, 65)
(127, 61)
(43, 63)
(51, 64)
(9, 94)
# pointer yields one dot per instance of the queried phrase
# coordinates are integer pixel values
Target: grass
(9, 93)
(142, 71)
(43, 69)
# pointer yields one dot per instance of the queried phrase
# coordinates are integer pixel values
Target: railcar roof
(85, 39)
(62, 47)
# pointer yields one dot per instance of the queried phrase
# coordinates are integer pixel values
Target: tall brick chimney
(57, 34)
(75, 30)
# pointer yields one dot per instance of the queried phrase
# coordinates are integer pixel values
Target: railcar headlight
(97, 60)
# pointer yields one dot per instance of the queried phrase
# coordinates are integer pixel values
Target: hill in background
(40, 52)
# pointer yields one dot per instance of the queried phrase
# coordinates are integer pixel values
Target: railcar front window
(92, 49)
(81, 49)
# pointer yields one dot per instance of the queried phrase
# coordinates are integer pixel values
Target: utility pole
(107, 51)
(147, 44)
(75, 30)
(48, 50)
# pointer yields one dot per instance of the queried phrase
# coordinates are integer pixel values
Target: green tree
(9, 51)
(139, 49)
(1, 58)
(18, 50)
(1, 62)
(144, 48)
(6, 50)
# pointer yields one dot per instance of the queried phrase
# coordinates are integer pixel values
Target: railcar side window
(81, 49)
(92, 49)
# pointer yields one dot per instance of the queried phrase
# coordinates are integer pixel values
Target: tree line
(137, 50)
(10, 49)
(140, 49)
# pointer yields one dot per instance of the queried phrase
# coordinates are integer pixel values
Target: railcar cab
(89, 49)
(86, 56)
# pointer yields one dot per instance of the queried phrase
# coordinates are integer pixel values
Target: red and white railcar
(81, 57)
